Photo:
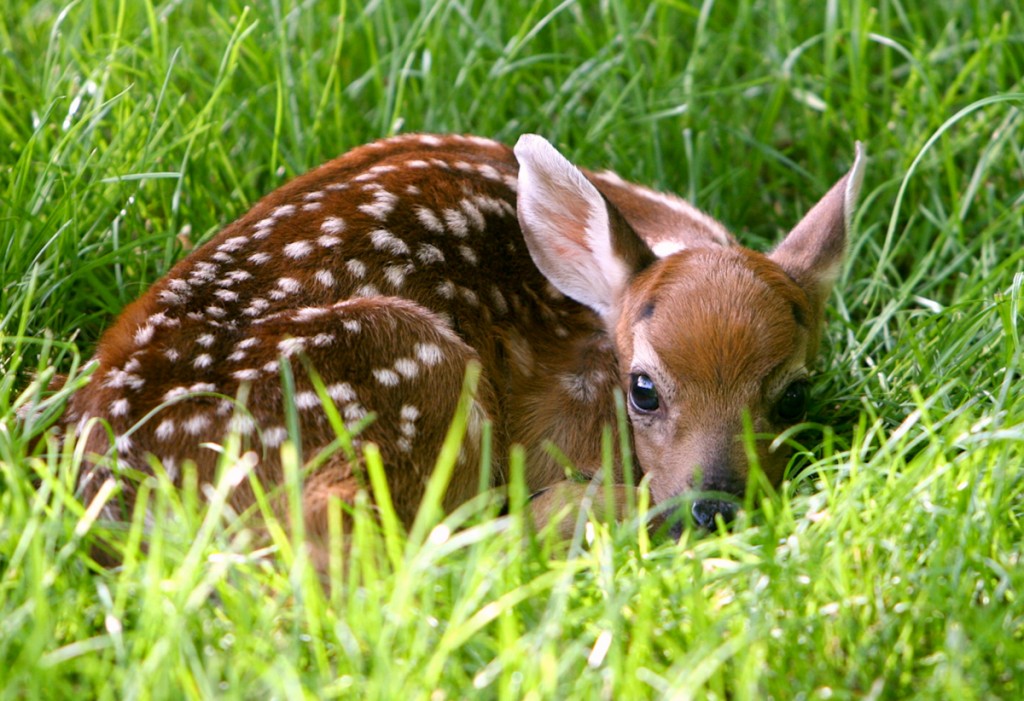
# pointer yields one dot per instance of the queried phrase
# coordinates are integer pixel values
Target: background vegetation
(890, 569)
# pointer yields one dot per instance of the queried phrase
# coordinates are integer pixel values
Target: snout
(705, 510)
(703, 514)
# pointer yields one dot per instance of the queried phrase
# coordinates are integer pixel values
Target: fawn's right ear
(577, 239)
(813, 252)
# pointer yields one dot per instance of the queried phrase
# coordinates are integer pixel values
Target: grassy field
(890, 568)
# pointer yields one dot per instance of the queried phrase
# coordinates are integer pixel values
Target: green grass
(890, 569)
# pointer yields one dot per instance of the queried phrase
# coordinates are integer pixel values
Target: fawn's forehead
(724, 314)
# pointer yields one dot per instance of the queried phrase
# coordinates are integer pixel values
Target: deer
(393, 268)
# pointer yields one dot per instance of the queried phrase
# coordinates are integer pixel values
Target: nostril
(705, 510)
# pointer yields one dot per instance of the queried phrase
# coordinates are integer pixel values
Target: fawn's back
(385, 272)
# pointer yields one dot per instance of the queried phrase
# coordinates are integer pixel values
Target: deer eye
(642, 393)
(792, 405)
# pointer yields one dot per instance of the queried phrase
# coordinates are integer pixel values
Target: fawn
(392, 267)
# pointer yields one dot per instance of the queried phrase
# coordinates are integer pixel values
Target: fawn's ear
(813, 252)
(577, 239)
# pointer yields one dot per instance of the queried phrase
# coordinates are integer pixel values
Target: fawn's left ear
(577, 239)
(813, 252)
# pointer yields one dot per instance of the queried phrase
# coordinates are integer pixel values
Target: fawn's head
(705, 336)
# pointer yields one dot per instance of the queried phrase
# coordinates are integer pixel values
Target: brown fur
(391, 268)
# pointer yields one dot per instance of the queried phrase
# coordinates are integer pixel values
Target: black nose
(705, 510)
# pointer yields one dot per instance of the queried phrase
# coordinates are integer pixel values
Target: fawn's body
(390, 268)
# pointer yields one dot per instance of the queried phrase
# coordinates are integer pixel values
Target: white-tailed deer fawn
(391, 268)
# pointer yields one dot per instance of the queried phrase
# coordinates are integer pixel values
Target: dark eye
(642, 394)
(792, 405)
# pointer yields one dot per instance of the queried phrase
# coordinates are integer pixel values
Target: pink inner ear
(812, 253)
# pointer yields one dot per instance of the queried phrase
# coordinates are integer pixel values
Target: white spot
(469, 255)
(289, 285)
(429, 220)
(355, 267)
(314, 196)
(237, 357)
(384, 240)
(328, 241)
(165, 431)
(446, 289)
(311, 206)
(429, 354)
(123, 443)
(332, 225)
(412, 190)
(404, 444)
(386, 376)
(380, 208)
(352, 325)
(409, 412)
(204, 360)
(323, 339)
(429, 253)
(476, 219)
(290, 346)
(285, 210)
(247, 375)
(297, 249)
(203, 387)
(395, 274)
(120, 407)
(274, 436)
(226, 295)
(341, 392)
(417, 163)
(257, 306)
(233, 244)
(168, 297)
(178, 285)
(500, 305)
(336, 187)
(407, 368)
(307, 400)
(144, 334)
(206, 340)
(259, 258)
(196, 424)
(354, 412)
(309, 313)
(429, 140)
(456, 222)
(172, 354)
(216, 312)
(488, 204)
(489, 172)
(170, 468)
(174, 393)
(242, 424)
(247, 343)
(324, 277)
(469, 296)
(366, 291)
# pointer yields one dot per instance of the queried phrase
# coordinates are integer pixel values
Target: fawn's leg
(395, 372)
